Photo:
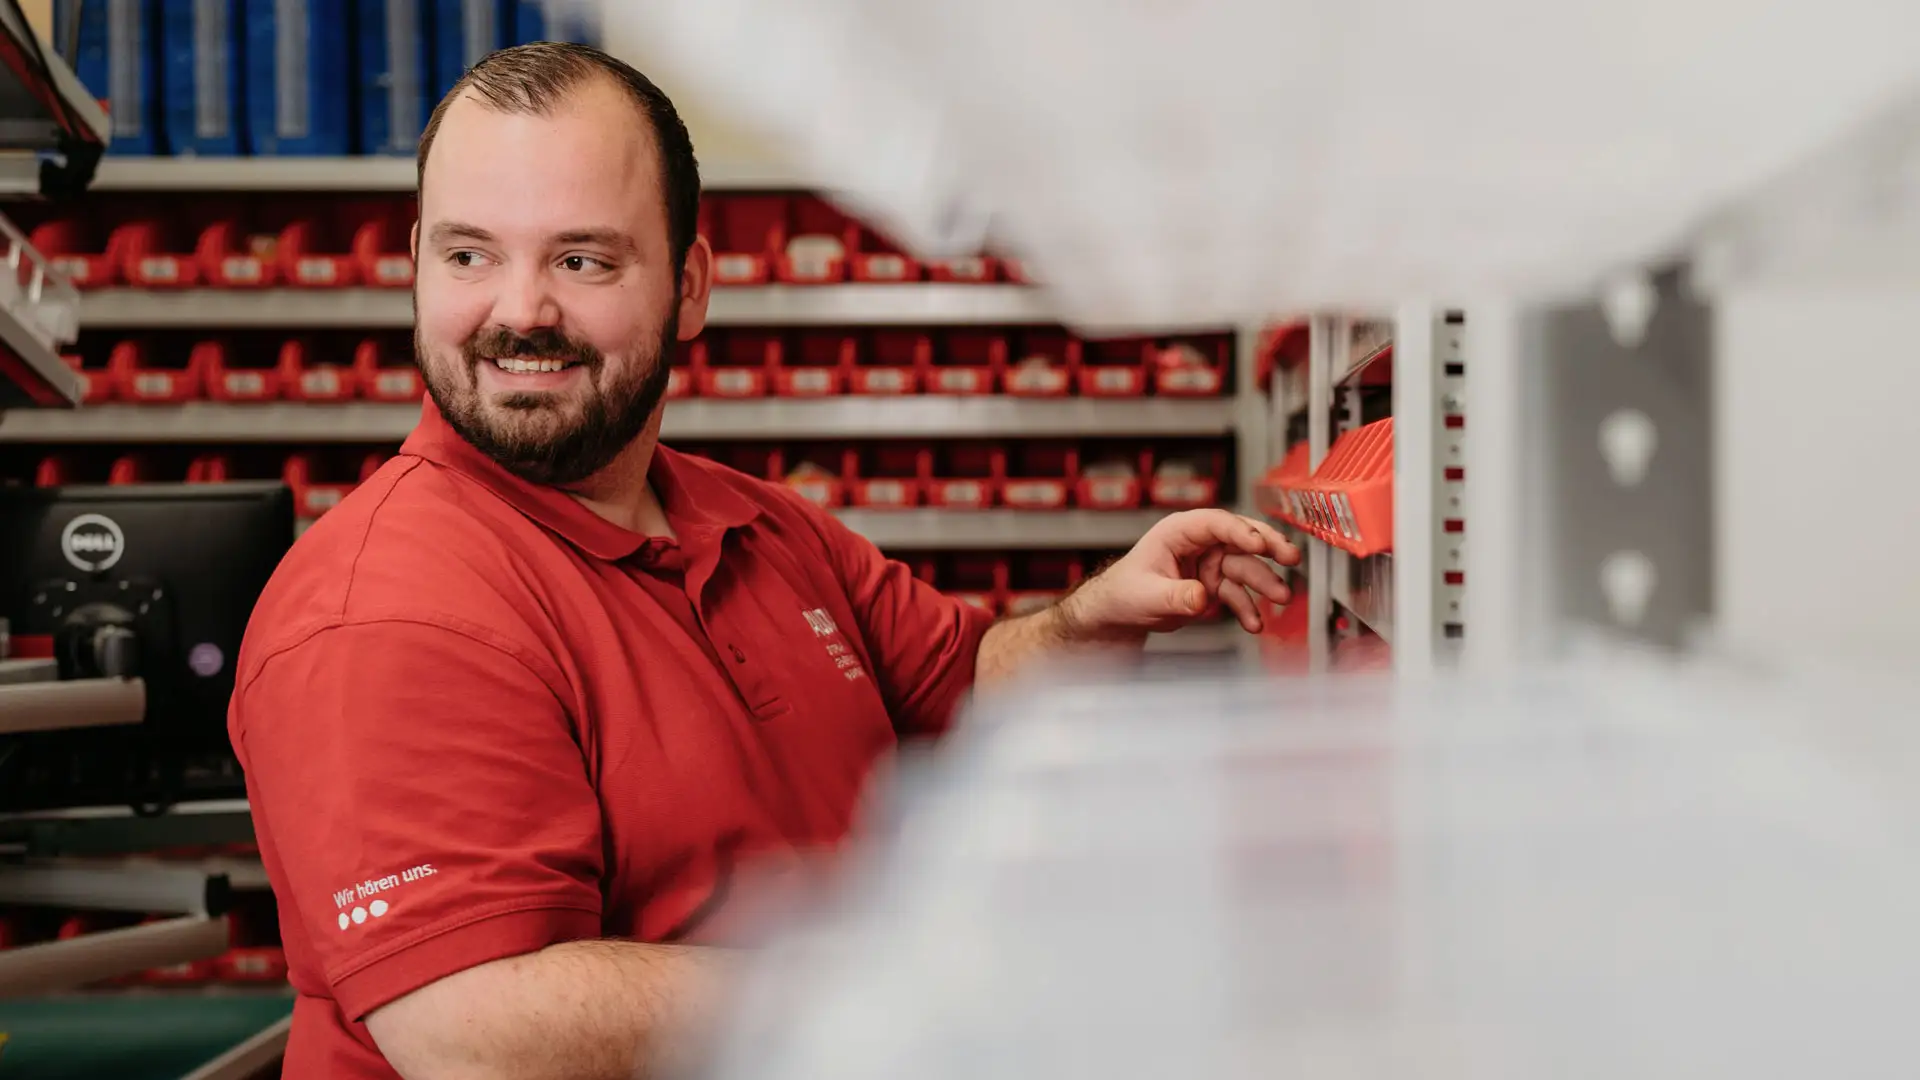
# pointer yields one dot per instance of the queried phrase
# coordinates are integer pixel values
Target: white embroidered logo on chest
(842, 656)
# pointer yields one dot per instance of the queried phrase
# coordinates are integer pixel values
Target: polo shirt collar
(695, 505)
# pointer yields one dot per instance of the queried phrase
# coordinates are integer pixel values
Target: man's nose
(526, 301)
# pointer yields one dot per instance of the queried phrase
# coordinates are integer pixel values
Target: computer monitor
(178, 567)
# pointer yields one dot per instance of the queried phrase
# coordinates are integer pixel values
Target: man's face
(545, 300)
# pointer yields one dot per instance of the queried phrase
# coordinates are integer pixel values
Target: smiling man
(520, 710)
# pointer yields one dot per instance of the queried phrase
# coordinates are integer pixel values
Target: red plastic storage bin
(966, 476)
(737, 363)
(818, 243)
(967, 269)
(54, 470)
(234, 253)
(384, 371)
(967, 362)
(132, 469)
(877, 259)
(233, 378)
(1278, 492)
(1185, 479)
(96, 385)
(158, 253)
(818, 473)
(890, 476)
(252, 964)
(315, 249)
(190, 973)
(1040, 476)
(378, 240)
(1281, 346)
(1040, 579)
(319, 484)
(210, 469)
(1113, 476)
(161, 371)
(1043, 363)
(1015, 271)
(1349, 498)
(759, 462)
(747, 233)
(1191, 368)
(892, 362)
(306, 376)
(1114, 368)
(86, 249)
(817, 365)
(980, 580)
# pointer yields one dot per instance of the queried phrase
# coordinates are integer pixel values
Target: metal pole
(141, 889)
(74, 703)
(61, 965)
(1415, 472)
(1327, 337)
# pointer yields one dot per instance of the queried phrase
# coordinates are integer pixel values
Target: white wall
(1818, 458)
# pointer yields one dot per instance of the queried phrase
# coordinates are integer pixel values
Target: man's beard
(612, 414)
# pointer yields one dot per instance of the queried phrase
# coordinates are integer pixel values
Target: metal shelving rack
(52, 133)
(1238, 413)
(1414, 596)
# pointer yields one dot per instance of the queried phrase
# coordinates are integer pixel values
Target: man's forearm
(584, 1009)
(1011, 644)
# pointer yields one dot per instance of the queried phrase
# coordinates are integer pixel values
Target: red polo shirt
(476, 719)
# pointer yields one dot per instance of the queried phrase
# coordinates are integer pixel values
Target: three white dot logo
(359, 914)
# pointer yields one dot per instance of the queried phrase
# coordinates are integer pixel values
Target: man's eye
(465, 258)
(578, 263)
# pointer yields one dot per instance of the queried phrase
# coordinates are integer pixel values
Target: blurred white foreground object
(1217, 160)
(1623, 873)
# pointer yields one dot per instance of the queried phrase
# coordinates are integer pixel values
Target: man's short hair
(537, 77)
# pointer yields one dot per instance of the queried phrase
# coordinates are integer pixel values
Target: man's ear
(696, 286)
(413, 241)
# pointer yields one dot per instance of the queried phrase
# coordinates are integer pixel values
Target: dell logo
(93, 542)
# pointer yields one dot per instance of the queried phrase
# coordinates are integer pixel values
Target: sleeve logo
(352, 913)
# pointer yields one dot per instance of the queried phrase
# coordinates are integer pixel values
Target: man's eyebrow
(608, 238)
(446, 231)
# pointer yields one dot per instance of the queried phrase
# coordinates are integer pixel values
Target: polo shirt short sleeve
(427, 801)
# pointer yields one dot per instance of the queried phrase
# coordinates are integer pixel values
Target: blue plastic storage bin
(118, 60)
(464, 32)
(298, 69)
(396, 69)
(552, 20)
(203, 86)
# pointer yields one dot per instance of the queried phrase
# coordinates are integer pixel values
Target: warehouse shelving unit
(1236, 413)
(919, 304)
(51, 134)
(130, 173)
(917, 416)
(1396, 573)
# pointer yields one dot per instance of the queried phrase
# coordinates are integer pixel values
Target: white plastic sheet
(1640, 872)
(1214, 160)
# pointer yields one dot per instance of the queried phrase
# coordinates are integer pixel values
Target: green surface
(130, 1036)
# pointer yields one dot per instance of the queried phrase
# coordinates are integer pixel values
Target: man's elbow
(436, 1032)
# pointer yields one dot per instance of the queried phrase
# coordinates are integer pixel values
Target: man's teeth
(518, 366)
